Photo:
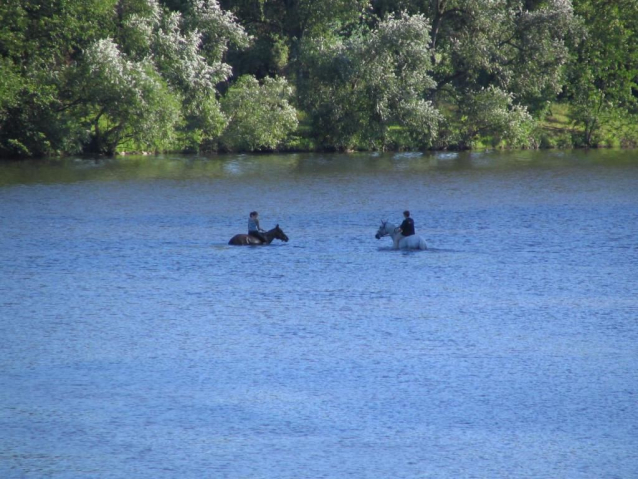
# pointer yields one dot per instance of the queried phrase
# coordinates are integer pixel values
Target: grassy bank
(557, 130)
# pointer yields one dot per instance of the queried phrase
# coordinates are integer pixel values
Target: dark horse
(243, 240)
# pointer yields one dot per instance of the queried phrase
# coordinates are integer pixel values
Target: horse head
(279, 234)
(382, 231)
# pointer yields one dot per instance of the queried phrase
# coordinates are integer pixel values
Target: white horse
(400, 241)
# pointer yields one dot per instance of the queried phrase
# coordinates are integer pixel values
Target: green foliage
(280, 26)
(604, 74)
(128, 100)
(260, 116)
(185, 50)
(10, 86)
(479, 47)
(498, 46)
(355, 90)
(39, 43)
(106, 75)
(518, 46)
(492, 112)
(93, 74)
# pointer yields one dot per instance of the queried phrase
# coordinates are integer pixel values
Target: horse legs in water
(398, 240)
(412, 242)
(243, 239)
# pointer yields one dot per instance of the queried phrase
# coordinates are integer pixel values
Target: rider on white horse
(407, 227)
(399, 240)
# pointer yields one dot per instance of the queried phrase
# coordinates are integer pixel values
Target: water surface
(137, 343)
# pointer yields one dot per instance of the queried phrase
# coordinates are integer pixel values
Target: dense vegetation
(102, 76)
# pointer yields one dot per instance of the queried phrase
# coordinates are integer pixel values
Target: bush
(260, 116)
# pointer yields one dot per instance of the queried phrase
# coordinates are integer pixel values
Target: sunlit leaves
(131, 101)
(604, 75)
(501, 43)
(39, 44)
(166, 55)
(260, 116)
(357, 89)
(492, 112)
(150, 74)
(219, 28)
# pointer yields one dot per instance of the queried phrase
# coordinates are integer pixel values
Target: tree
(260, 116)
(125, 100)
(355, 90)
(478, 46)
(280, 26)
(165, 73)
(122, 70)
(603, 80)
(39, 42)
(492, 112)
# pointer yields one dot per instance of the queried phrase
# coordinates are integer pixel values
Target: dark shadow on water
(228, 246)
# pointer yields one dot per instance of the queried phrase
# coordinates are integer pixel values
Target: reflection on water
(225, 166)
(137, 343)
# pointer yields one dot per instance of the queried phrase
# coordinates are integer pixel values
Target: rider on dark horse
(254, 229)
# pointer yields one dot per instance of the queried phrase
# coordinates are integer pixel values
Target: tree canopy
(102, 76)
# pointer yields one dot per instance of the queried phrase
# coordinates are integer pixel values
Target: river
(137, 344)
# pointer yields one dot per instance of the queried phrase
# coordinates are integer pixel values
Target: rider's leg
(258, 235)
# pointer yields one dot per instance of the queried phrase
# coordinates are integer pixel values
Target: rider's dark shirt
(407, 227)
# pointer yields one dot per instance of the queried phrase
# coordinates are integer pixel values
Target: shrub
(260, 116)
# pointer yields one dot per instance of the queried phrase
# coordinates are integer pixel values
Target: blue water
(137, 344)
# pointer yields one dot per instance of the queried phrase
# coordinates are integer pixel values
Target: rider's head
(253, 214)
(406, 213)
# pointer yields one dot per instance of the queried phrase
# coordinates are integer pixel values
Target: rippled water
(136, 343)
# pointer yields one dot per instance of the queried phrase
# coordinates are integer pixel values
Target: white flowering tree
(156, 81)
(260, 115)
(497, 63)
(493, 52)
(128, 100)
(492, 112)
(356, 90)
